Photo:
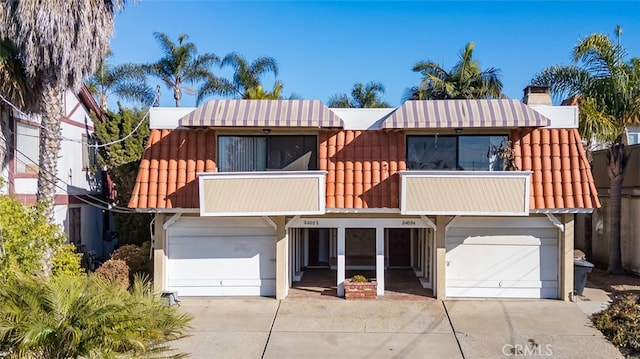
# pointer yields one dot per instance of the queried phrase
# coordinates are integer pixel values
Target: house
(79, 191)
(248, 194)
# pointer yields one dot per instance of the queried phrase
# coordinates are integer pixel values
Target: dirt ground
(616, 284)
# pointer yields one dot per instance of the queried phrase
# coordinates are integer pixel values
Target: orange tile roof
(561, 173)
(362, 168)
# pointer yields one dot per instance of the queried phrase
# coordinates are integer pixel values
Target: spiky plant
(85, 317)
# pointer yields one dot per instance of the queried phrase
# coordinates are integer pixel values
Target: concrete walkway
(428, 328)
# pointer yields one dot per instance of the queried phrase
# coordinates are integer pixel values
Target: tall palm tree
(465, 80)
(59, 43)
(181, 64)
(126, 81)
(258, 92)
(247, 75)
(362, 96)
(608, 88)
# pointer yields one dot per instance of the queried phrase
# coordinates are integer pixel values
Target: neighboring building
(630, 220)
(248, 194)
(79, 178)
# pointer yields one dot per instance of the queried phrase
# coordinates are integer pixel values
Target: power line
(109, 207)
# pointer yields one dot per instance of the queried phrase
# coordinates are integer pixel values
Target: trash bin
(581, 268)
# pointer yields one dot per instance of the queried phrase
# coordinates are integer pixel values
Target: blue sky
(324, 47)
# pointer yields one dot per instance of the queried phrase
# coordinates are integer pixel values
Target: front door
(318, 247)
(399, 242)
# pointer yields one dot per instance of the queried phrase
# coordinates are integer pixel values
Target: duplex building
(477, 197)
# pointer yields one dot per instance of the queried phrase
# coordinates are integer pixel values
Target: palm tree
(13, 87)
(181, 64)
(58, 52)
(608, 89)
(126, 81)
(258, 92)
(247, 76)
(362, 96)
(464, 81)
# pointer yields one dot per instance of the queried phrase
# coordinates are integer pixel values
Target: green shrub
(26, 237)
(620, 323)
(114, 271)
(85, 317)
(137, 258)
(66, 261)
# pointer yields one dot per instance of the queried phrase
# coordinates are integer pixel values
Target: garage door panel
(549, 233)
(502, 262)
(235, 259)
(228, 268)
(221, 247)
(505, 263)
(548, 293)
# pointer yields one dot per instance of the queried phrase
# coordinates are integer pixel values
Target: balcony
(262, 193)
(464, 192)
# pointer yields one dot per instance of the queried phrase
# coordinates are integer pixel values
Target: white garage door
(502, 257)
(217, 257)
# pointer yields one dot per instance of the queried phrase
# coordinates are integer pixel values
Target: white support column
(341, 263)
(380, 260)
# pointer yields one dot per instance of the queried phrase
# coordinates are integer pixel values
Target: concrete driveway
(316, 328)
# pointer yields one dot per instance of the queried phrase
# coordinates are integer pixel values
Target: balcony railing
(262, 193)
(464, 192)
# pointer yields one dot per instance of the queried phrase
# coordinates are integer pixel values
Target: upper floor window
(462, 153)
(633, 137)
(261, 153)
(27, 145)
(89, 153)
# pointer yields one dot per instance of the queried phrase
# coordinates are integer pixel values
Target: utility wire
(109, 207)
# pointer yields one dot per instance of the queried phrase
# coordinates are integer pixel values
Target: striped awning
(262, 113)
(464, 114)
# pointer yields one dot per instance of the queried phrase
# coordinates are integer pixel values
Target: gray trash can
(581, 269)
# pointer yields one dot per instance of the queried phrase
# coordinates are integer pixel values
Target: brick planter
(360, 290)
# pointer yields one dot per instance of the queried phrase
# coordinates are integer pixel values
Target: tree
(122, 159)
(13, 87)
(464, 81)
(247, 76)
(608, 88)
(126, 81)
(59, 44)
(85, 317)
(362, 96)
(181, 64)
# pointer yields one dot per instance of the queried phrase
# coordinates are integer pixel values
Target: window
(27, 145)
(260, 153)
(74, 226)
(89, 157)
(633, 138)
(462, 153)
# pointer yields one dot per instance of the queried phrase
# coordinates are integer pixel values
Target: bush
(114, 270)
(66, 261)
(137, 258)
(620, 323)
(26, 237)
(84, 317)
(358, 278)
